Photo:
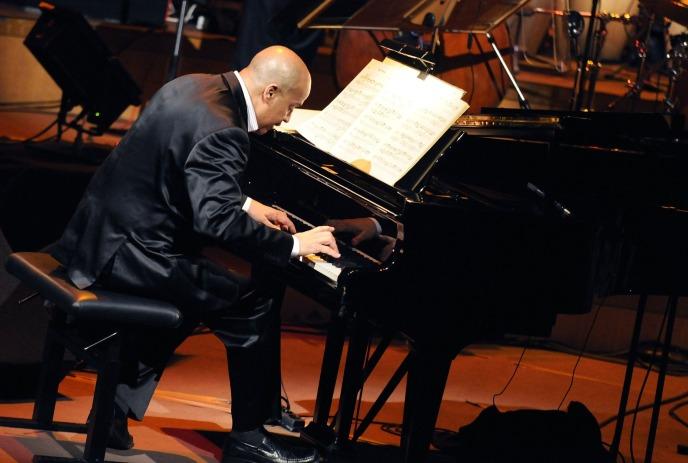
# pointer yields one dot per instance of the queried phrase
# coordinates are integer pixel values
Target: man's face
(279, 104)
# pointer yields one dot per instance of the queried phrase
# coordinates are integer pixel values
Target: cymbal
(676, 10)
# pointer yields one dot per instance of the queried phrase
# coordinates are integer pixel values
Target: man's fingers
(325, 249)
(318, 240)
(328, 244)
(288, 225)
(270, 224)
(333, 246)
(322, 228)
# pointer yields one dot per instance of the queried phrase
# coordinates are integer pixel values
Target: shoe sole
(235, 459)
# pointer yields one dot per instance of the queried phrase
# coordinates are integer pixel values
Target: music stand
(467, 16)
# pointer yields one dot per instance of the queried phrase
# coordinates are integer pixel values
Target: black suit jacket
(173, 180)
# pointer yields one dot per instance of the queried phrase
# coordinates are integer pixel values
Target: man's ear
(270, 92)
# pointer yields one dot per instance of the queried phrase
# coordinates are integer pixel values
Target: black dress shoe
(118, 437)
(264, 448)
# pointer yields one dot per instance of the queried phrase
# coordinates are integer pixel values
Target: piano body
(468, 262)
(630, 169)
(627, 172)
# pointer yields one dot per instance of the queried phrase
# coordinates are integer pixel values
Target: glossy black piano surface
(470, 261)
(627, 171)
(528, 215)
(461, 249)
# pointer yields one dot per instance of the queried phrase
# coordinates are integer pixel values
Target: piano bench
(113, 313)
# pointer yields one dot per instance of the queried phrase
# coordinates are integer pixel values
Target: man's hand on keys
(318, 240)
(271, 217)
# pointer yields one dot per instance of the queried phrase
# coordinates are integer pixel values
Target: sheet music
(386, 119)
(298, 117)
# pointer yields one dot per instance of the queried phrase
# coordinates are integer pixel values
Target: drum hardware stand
(590, 63)
(634, 91)
(593, 65)
(676, 58)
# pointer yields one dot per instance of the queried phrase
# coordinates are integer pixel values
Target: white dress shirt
(252, 126)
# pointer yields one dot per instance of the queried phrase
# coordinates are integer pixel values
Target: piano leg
(334, 344)
(318, 432)
(427, 377)
(352, 379)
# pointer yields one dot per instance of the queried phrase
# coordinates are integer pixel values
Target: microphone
(563, 212)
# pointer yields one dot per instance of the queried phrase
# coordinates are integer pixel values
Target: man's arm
(269, 216)
(212, 173)
(317, 240)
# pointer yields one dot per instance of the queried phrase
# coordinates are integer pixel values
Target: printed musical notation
(387, 116)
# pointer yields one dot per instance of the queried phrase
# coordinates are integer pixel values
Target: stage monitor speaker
(81, 64)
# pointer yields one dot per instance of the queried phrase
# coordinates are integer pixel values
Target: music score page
(386, 119)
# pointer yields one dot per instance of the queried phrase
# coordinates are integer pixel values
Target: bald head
(278, 81)
(276, 64)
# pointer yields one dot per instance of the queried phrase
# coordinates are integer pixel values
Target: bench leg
(53, 356)
(103, 402)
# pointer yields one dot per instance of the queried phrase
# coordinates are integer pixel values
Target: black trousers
(242, 312)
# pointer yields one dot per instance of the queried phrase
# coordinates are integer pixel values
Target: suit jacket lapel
(234, 87)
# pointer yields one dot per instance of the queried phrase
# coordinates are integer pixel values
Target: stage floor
(190, 411)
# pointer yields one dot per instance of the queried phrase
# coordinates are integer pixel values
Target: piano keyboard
(327, 266)
(320, 265)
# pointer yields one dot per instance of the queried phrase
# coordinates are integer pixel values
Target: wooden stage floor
(190, 410)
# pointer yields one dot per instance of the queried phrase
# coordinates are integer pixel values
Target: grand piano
(509, 220)
(631, 169)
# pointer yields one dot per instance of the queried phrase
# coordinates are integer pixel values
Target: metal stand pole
(595, 65)
(635, 91)
(521, 99)
(630, 364)
(579, 86)
(654, 420)
(174, 61)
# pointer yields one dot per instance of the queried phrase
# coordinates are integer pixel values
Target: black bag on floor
(533, 436)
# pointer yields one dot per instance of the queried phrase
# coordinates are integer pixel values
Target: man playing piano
(171, 185)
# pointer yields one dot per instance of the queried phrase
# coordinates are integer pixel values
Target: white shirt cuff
(296, 247)
(246, 204)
